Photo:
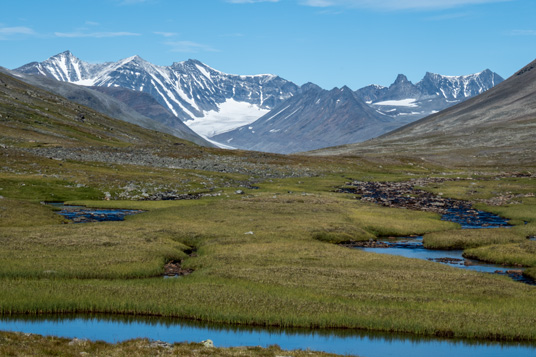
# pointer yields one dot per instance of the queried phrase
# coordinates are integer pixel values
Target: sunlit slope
(35, 117)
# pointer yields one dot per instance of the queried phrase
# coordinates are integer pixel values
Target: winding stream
(412, 247)
(350, 342)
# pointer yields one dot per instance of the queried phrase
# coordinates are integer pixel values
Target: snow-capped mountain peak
(433, 93)
(457, 87)
(191, 90)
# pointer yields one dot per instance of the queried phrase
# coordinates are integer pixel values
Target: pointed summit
(401, 78)
(309, 86)
(65, 53)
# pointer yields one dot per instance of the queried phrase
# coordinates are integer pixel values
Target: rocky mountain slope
(430, 95)
(315, 118)
(497, 126)
(311, 119)
(191, 90)
(149, 117)
(33, 117)
(264, 112)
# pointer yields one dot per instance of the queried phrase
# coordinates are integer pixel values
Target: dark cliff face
(401, 89)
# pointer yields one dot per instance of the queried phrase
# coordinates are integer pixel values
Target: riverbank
(24, 344)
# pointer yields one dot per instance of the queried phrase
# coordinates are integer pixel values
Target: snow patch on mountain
(409, 102)
(230, 115)
(194, 92)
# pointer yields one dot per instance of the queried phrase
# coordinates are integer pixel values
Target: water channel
(412, 247)
(349, 342)
(346, 342)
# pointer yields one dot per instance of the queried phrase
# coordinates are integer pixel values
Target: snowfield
(409, 102)
(232, 114)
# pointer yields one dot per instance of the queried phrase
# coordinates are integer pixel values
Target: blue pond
(82, 214)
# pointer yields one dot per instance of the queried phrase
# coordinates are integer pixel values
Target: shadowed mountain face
(315, 118)
(405, 102)
(107, 105)
(496, 126)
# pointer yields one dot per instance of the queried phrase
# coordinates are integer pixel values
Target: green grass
(484, 187)
(264, 258)
(522, 254)
(471, 238)
(18, 213)
(382, 221)
(280, 275)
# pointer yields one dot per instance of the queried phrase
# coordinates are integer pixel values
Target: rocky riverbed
(405, 195)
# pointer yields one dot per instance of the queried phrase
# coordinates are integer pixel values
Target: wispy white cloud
(392, 5)
(92, 23)
(8, 32)
(165, 34)
(523, 32)
(189, 47)
(94, 34)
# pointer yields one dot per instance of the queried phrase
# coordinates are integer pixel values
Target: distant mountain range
(497, 126)
(316, 118)
(264, 112)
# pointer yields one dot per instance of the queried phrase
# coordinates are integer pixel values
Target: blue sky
(328, 42)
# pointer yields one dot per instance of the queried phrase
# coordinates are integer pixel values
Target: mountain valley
(264, 112)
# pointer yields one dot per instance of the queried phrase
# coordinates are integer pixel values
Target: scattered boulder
(208, 343)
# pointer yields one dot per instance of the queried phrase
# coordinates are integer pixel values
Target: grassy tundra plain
(262, 231)
(265, 257)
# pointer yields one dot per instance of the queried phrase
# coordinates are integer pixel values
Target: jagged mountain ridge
(496, 126)
(310, 120)
(191, 90)
(433, 93)
(223, 107)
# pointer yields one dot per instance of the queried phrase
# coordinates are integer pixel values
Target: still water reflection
(113, 329)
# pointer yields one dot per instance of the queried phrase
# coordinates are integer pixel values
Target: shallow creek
(406, 195)
(412, 247)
